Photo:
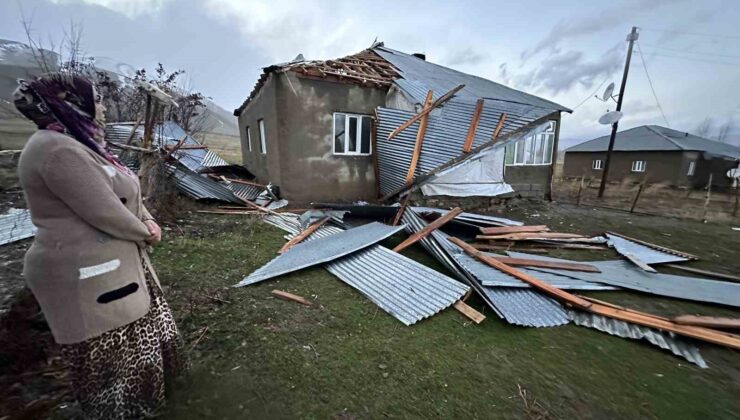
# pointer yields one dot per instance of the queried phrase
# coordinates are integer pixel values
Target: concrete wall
(266, 167)
(667, 167)
(310, 171)
(529, 181)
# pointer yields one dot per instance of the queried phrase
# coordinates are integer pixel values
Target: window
(597, 164)
(638, 166)
(692, 168)
(352, 134)
(249, 139)
(263, 145)
(533, 150)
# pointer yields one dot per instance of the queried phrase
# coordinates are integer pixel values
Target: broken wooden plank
(658, 247)
(290, 297)
(540, 285)
(529, 236)
(638, 262)
(704, 272)
(500, 230)
(469, 312)
(708, 321)
(475, 119)
(401, 209)
(419, 140)
(428, 229)
(612, 311)
(444, 98)
(313, 227)
(499, 126)
(548, 264)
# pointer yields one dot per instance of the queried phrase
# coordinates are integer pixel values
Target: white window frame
(249, 138)
(639, 165)
(692, 168)
(597, 164)
(347, 152)
(263, 143)
(530, 143)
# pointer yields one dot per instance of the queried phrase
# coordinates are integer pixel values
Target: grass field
(259, 357)
(14, 132)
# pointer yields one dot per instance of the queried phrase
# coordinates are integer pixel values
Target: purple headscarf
(65, 103)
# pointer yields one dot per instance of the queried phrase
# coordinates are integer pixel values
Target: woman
(88, 267)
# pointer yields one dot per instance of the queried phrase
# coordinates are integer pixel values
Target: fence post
(709, 196)
(637, 197)
(580, 189)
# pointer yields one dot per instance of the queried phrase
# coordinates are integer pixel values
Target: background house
(656, 154)
(318, 130)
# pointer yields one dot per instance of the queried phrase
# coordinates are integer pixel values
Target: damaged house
(321, 130)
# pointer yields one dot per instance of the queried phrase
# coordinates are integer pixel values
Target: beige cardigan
(85, 264)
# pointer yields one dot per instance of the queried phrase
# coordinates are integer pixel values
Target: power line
(592, 93)
(691, 52)
(674, 31)
(644, 65)
(659, 54)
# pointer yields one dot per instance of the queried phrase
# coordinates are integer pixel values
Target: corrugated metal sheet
(211, 159)
(664, 340)
(624, 274)
(478, 219)
(516, 305)
(492, 277)
(405, 289)
(321, 250)
(444, 137)
(426, 75)
(643, 253)
(657, 138)
(200, 187)
(16, 225)
(245, 191)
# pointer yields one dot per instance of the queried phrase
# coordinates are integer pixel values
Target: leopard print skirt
(121, 374)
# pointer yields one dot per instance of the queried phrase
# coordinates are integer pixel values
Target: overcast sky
(561, 50)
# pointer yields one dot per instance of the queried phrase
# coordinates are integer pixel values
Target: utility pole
(632, 37)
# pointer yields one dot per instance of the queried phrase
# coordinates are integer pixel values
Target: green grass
(263, 357)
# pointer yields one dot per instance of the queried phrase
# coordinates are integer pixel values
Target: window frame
(249, 138)
(597, 164)
(358, 134)
(528, 146)
(263, 141)
(639, 165)
(692, 168)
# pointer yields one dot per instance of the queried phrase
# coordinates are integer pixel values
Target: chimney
(420, 55)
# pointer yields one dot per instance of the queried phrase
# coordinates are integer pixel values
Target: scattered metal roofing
(16, 225)
(427, 75)
(517, 306)
(405, 289)
(200, 187)
(624, 274)
(492, 277)
(664, 340)
(212, 159)
(478, 219)
(245, 191)
(322, 250)
(644, 253)
(445, 136)
(657, 138)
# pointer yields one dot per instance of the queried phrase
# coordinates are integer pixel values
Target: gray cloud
(464, 56)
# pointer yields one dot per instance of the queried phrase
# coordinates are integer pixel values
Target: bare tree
(705, 127)
(724, 130)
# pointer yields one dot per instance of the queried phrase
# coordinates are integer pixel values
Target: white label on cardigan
(111, 171)
(96, 270)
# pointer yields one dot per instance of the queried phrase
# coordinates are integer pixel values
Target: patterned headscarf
(65, 103)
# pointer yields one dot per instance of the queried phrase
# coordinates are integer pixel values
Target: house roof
(656, 138)
(380, 66)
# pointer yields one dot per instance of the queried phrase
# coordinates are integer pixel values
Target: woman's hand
(154, 231)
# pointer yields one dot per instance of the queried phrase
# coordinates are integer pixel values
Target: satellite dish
(733, 173)
(610, 117)
(608, 92)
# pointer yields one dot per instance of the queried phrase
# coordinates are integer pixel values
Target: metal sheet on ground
(322, 250)
(643, 253)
